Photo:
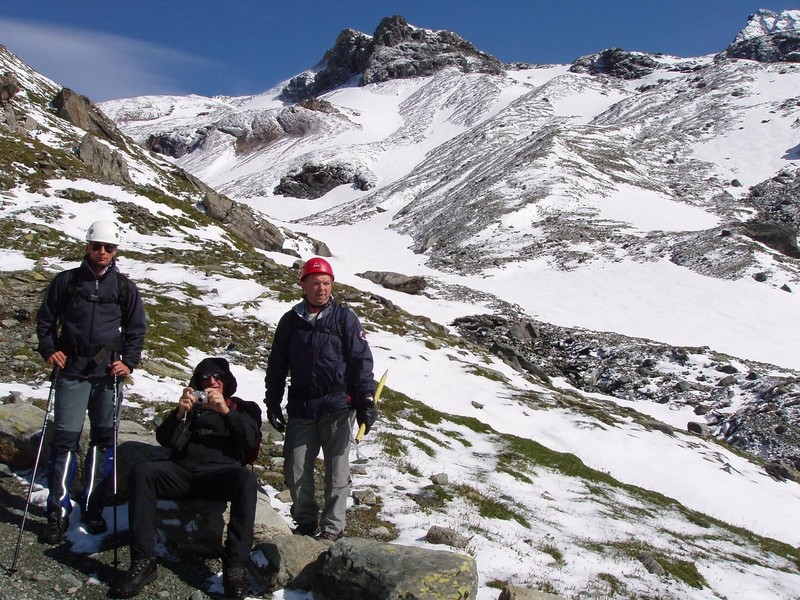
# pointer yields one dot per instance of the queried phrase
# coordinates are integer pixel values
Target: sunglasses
(208, 376)
(110, 248)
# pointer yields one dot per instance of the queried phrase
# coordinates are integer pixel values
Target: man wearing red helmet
(322, 345)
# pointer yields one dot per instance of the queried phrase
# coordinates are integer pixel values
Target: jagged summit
(396, 50)
(768, 37)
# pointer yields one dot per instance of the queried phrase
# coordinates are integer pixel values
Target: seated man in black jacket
(211, 435)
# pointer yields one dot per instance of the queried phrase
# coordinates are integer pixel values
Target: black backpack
(252, 409)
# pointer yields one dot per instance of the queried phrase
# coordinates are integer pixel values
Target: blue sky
(109, 50)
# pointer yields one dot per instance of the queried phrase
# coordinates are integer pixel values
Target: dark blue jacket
(329, 361)
(90, 319)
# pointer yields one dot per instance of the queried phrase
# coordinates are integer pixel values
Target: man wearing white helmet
(91, 328)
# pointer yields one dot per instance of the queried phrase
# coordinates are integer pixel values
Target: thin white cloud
(99, 65)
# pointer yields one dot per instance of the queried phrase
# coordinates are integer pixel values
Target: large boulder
(409, 284)
(80, 111)
(20, 429)
(106, 162)
(292, 561)
(361, 569)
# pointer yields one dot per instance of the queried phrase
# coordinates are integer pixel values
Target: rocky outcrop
(9, 87)
(315, 180)
(81, 112)
(396, 50)
(616, 63)
(637, 369)
(409, 284)
(108, 163)
(240, 218)
(767, 37)
(777, 219)
(243, 221)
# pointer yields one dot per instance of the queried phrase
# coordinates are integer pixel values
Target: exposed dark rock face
(241, 219)
(314, 181)
(107, 163)
(643, 370)
(617, 63)
(775, 47)
(9, 87)
(397, 50)
(174, 145)
(81, 112)
(777, 220)
(767, 37)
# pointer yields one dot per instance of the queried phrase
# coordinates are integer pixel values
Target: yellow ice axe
(378, 390)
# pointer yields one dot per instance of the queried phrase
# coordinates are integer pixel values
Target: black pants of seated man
(150, 481)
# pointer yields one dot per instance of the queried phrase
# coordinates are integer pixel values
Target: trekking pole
(114, 465)
(50, 401)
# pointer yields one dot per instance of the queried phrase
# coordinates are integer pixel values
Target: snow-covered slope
(590, 183)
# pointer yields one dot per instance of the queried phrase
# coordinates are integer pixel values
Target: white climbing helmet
(103, 231)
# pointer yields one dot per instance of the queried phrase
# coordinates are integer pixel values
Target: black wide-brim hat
(214, 365)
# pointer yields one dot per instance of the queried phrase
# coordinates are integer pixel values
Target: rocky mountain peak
(396, 50)
(617, 63)
(768, 37)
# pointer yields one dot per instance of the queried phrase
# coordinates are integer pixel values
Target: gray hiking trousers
(304, 439)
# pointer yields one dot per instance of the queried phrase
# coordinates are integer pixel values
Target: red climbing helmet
(316, 266)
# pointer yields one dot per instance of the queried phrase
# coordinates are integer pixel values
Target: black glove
(275, 417)
(367, 414)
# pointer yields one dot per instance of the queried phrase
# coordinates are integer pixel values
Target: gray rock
(360, 569)
(106, 162)
(515, 592)
(409, 284)
(293, 561)
(617, 63)
(81, 112)
(447, 537)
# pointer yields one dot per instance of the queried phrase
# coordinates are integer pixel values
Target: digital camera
(200, 397)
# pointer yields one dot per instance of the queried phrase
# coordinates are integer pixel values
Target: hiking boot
(234, 582)
(95, 524)
(141, 573)
(56, 528)
(310, 529)
(329, 536)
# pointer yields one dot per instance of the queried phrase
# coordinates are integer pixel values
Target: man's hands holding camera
(209, 398)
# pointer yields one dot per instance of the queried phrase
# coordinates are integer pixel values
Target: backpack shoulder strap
(123, 293)
(69, 292)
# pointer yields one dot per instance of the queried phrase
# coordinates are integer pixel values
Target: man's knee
(66, 441)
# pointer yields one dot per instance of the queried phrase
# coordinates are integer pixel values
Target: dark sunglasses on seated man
(110, 248)
(208, 376)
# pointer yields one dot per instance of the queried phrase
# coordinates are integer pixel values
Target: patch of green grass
(426, 449)
(557, 554)
(615, 586)
(685, 570)
(490, 374)
(489, 508)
